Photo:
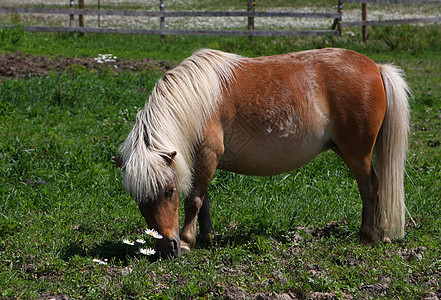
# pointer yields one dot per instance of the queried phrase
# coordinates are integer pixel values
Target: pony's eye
(169, 192)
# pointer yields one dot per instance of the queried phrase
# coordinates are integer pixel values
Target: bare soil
(20, 65)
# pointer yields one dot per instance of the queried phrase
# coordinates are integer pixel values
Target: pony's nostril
(174, 248)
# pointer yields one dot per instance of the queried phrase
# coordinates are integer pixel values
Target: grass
(62, 203)
(402, 41)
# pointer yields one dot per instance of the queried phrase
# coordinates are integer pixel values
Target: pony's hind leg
(205, 224)
(370, 230)
(367, 181)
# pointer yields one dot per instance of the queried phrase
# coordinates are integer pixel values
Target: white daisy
(95, 260)
(128, 242)
(147, 251)
(153, 233)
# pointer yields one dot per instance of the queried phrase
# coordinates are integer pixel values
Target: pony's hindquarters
(390, 150)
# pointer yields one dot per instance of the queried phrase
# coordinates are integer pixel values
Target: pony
(264, 116)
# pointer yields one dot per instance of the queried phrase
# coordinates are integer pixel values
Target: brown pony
(264, 116)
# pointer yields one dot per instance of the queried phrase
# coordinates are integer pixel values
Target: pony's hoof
(387, 240)
(366, 239)
(207, 240)
(185, 247)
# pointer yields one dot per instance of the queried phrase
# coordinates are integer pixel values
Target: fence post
(162, 18)
(251, 8)
(340, 21)
(99, 13)
(81, 17)
(364, 16)
(71, 17)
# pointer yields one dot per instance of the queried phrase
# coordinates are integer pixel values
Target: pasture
(62, 203)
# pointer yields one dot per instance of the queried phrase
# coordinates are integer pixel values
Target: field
(292, 236)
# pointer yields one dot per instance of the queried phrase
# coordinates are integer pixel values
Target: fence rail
(364, 14)
(141, 13)
(178, 32)
(392, 22)
(162, 14)
(394, 1)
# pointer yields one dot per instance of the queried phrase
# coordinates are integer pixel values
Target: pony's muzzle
(169, 247)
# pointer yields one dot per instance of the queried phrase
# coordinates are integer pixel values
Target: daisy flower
(105, 58)
(128, 242)
(140, 241)
(153, 233)
(98, 261)
(147, 251)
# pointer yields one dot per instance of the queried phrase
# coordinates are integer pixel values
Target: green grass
(401, 41)
(273, 233)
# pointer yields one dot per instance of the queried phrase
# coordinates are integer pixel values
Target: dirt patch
(20, 65)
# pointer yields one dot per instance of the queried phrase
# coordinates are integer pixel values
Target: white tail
(390, 150)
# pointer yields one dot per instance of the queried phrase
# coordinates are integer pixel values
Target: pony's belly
(269, 157)
(280, 137)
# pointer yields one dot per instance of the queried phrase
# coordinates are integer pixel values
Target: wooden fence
(251, 14)
(364, 14)
(162, 14)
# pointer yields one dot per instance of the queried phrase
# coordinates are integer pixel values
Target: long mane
(172, 120)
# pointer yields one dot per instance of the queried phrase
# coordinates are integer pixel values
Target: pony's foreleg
(197, 206)
(192, 205)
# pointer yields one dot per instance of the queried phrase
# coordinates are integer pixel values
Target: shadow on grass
(117, 252)
(244, 235)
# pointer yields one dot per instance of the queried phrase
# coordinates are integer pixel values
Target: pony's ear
(118, 161)
(168, 156)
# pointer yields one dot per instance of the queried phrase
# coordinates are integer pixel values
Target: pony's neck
(181, 104)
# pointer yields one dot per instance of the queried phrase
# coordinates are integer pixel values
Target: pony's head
(162, 211)
(158, 201)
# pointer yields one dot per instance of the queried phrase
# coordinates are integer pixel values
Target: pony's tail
(390, 151)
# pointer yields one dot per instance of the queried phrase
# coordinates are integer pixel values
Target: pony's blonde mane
(172, 120)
